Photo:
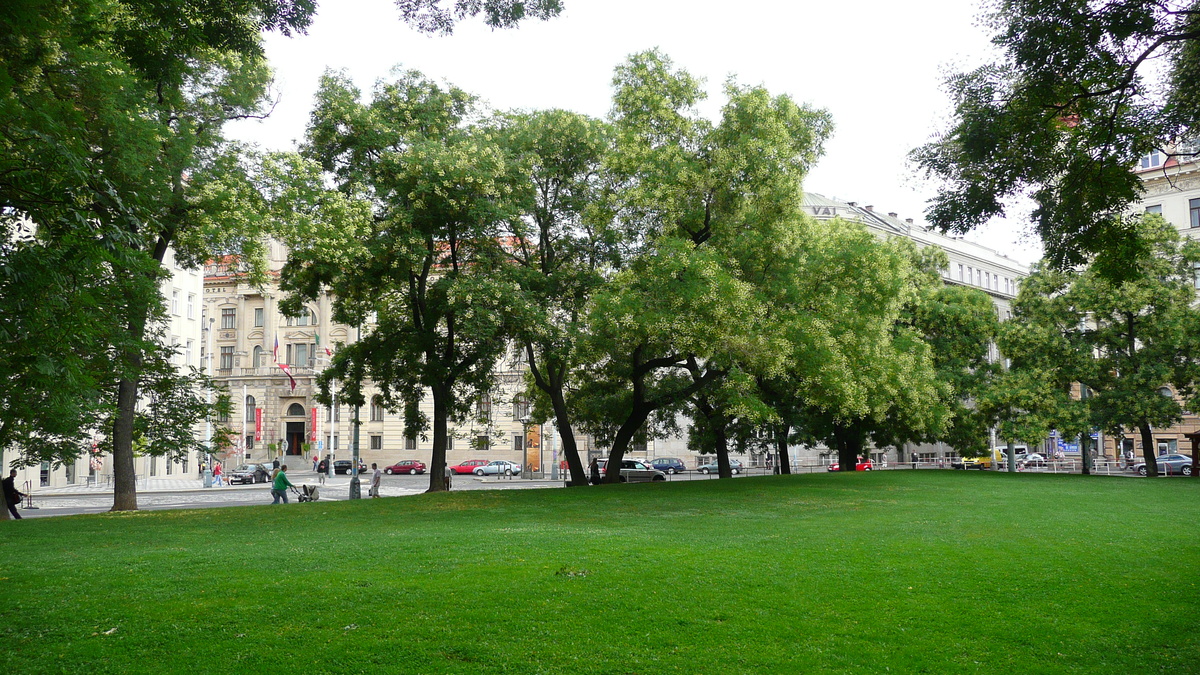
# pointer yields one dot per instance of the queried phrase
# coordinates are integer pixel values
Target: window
(191, 306)
(249, 442)
(258, 317)
(376, 410)
(302, 320)
(223, 416)
(228, 317)
(169, 463)
(978, 277)
(258, 350)
(960, 272)
(249, 413)
(1194, 212)
(336, 414)
(187, 353)
(175, 302)
(335, 442)
(1152, 160)
(1157, 208)
(410, 443)
(153, 466)
(301, 353)
(483, 408)
(520, 408)
(295, 410)
(226, 358)
(518, 443)
(449, 443)
(482, 443)
(970, 275)
(987, 279)
(376, 442)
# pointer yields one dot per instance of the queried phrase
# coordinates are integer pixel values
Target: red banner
(312, 428)
(258, 424)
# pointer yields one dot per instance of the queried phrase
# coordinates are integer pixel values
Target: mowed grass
(891, 571)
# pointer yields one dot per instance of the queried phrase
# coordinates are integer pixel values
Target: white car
(498, 467)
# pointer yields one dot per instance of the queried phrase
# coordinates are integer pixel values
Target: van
(982, 462)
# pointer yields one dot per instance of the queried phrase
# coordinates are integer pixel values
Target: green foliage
(1125, 340)
(409, 242)
(430, 16)
(1065, 114)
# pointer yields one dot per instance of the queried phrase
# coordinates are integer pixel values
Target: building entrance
(295, 438)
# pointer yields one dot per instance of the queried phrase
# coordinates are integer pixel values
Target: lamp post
(525, 469)
(355, 483)
(207, 474)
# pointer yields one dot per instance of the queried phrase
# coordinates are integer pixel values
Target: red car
(861, 466)
(468, 466)
(409, 466)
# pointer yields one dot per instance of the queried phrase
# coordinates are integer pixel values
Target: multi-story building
(276, 415)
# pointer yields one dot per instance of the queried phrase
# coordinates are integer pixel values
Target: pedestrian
(12, 496)
(316, 461)
(376, 477)
(217, 474)
(914, 460)
(594, 472)
(322, 469)
(447, 475)
(280, 486)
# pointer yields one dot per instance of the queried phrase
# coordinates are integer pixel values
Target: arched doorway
(294, 434)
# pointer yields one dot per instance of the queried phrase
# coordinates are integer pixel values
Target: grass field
(890, 571)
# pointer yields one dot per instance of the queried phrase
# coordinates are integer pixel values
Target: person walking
(322, 469)
(316, 461)
(12, 496)
(376, 477)
(594, 472)
(217, 474)
(280, 486)
(447, 473)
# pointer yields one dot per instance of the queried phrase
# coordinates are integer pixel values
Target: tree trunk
(566, 434)
(1084, 439)
(124, 475)
(1148, 449)
(437, 463)
(718, 424)
(849, 447)
(784, 462)
(635, 420)
(1012, 457)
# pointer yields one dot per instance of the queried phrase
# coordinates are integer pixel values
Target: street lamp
(355, 483)
(525, 445)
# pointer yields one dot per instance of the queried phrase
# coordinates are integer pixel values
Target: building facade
(277, 416)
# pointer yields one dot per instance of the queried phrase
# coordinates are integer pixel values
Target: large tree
(1080, 91)
(562, 247)
(412, 238)
(1130, 342)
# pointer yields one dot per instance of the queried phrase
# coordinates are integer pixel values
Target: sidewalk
(179, 484)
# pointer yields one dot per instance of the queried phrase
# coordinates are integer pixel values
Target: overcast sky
(876, 65)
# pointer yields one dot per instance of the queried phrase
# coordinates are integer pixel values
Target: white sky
(876, 65)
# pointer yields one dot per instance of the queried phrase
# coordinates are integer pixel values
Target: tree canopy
(1080, 92)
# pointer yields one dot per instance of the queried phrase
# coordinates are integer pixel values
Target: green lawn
(890, 571)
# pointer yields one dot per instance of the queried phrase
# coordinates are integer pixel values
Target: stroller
(306, 493)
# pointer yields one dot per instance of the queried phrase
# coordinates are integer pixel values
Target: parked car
(981, 462)
(498, 467)
(1031, 459)
(468, 466)
(669, 464)
(344, 466)
(1168, 464)
(635, 471)
(735, 467)
(249, 473)
(409, 466)
(860, 466)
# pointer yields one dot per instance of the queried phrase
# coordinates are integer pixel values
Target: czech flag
(276, 349)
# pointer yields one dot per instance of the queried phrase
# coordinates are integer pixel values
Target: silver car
(498, 467)
(633, 471)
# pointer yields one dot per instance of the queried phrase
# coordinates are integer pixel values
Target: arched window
(249, 410)
(295, 410)
(376, 409)
(257, 363)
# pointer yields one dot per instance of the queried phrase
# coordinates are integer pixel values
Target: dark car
(669, 464)
(249, 473)
(344, 466)
(1168, 464)
(409, 466)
